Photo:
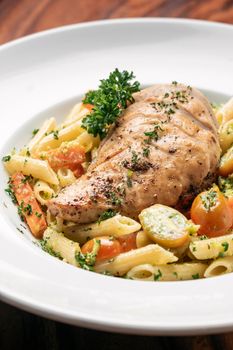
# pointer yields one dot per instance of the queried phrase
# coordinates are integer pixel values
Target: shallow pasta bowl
(44, 75)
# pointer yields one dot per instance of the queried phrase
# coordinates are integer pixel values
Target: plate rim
(40, 309)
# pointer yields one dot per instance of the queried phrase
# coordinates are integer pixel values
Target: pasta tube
(61, 246)
(65, 177)
(212, 248)
(43, 192)
(219, 267)
(39, 169)
(47, 127)
(142, 239)
(55, 139)
(171, 272)
(151, 254)
(116, 226)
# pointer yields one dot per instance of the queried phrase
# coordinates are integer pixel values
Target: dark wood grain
(21, 330)
(22, 17)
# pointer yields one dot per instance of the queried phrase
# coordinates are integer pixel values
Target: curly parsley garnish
(87, 261)
(109, 101)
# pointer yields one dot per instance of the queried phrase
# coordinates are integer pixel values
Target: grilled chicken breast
(164, 146)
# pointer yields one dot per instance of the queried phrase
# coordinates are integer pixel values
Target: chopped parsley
(46, 248)
(28, 153)
(26, 178)
(10, 192)
(87, 260)
(221, 255)
(55, 134)
(109, 101)
(38, 214)
(158, 275)
(6, 158)
(154, 134)
(195, 276)
(114, 199)
(22, 210)
(209, 199)
(35, 131)
(146, 152)
(107, 215)
(225, 246)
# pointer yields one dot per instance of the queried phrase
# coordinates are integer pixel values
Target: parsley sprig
(109, 101)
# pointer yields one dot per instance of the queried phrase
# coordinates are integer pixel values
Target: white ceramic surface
(43, 75)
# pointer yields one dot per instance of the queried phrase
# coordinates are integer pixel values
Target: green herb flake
(107, 215)
(46, 248)
(158, 275)
(209, 199)
(225, 246)
(195, 276)
(39, 215)
(27, 178)
(6, 158)
(55, 134)
(28, 153)
(221, 255)
(35, 131)
(146, 152)
(11, 193)
(87, 261)
(154, 134)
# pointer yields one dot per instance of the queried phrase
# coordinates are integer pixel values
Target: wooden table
(21, 330)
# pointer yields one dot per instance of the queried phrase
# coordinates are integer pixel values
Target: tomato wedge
(211, 210)
(109, 246)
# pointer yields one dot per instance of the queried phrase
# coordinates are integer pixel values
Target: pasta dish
(134, 183)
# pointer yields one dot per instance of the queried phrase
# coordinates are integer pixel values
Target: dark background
(19, 329)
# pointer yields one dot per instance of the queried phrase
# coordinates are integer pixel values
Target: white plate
(43, 75)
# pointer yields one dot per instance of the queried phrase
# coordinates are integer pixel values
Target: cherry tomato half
(110, 246)
(210, 210)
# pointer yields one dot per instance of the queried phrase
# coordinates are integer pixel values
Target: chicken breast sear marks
(164, 146)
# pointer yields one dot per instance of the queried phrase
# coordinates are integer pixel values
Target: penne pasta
(212, 248)
(151, 254)
(54, 139)
(37, 168)
(43, 192)
(65, 177)
(225, 113)
(219, 267)
(116, 226)
(170, 272)
(87, 141)
(61, 246)
(142, 239)
(46, 128)
(78, 112)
